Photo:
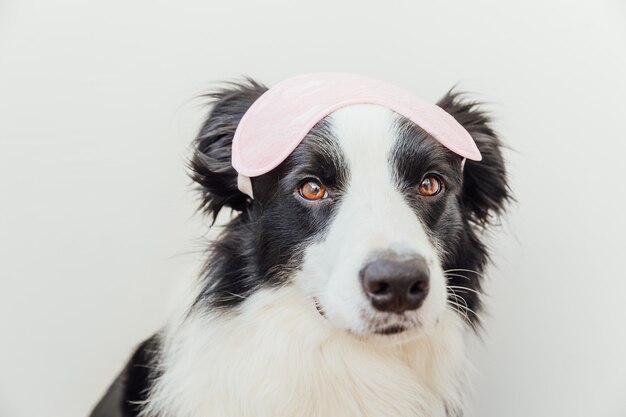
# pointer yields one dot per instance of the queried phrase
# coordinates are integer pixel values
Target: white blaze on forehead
(365, 135)
(372, 202)
(372, 216)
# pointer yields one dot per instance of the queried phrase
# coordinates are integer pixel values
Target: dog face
(375, 221)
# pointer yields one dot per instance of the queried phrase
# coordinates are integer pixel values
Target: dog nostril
(379, 288)
(418, 287)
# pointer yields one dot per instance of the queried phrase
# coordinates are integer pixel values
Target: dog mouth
(318, 306)
(390, 330)
(382, 330)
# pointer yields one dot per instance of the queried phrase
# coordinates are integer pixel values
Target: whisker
(459, 309)
(236, 295)
(465, 289)
(459, 298)
(448, 275)
(464, 270)
(464, 308)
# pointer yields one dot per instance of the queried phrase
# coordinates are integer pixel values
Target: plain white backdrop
(97, 227)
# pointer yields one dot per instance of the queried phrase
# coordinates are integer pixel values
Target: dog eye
(430, 186)
(312, 190)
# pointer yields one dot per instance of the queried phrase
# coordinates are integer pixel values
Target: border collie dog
(348, 286)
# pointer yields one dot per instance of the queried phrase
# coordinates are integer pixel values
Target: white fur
(275, 356)
(278, 357)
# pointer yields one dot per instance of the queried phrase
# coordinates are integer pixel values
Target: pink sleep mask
(282, 117)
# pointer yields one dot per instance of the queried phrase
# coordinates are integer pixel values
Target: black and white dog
(348, 287)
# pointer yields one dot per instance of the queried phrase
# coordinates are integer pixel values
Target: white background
(97, 227)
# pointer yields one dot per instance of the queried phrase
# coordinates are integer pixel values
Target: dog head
(376, 222)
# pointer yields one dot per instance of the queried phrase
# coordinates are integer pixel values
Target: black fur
(128, 392)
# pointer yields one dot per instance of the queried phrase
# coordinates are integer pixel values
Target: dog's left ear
(211, 164)
(485, 185)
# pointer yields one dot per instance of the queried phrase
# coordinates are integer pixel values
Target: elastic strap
(245, 185)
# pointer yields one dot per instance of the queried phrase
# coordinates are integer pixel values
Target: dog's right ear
(486, 191)
(211, 161)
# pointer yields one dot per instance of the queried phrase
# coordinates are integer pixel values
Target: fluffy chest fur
(278, 357)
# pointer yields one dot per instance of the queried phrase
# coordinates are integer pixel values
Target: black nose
(396, 285)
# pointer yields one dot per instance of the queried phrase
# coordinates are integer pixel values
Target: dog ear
(485, 185)
(211, 164)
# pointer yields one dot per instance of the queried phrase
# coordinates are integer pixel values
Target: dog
(349, 285)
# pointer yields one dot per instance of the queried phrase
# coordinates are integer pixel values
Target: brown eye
(429, 186)
(313, 190)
